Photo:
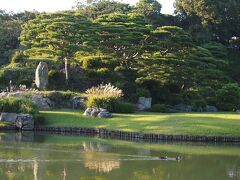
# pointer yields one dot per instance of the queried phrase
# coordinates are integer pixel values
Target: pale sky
(55, 5)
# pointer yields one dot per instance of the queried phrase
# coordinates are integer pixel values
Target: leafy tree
(56, 35)
(122, 36)
(221, 17)
(148, 7)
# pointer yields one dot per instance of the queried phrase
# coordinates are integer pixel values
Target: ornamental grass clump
(104, 96)
(106, 91)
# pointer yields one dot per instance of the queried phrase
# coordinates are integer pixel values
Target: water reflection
(42, 157)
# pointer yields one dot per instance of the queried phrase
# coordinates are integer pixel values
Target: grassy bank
(216, 124)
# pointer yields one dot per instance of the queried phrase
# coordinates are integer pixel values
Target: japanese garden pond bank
(130, 136)
(35, 155)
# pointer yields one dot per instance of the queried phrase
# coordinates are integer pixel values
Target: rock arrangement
(97, 112)
(41, 76)
(47, 102)
(144, 103)
(183, 108)
(21, 121)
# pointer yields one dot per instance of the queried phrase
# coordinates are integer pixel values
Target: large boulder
(41, 76)
(42, 102)
(238, 111)
(21, 121)
(78, 102)
(97, 112)
(8, 117)
(24, 122)
(144, 103)
(183, 108)
(210, 109)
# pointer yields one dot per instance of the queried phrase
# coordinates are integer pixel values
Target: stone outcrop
(144, 103)
(21, 121)
(8, 117)
(53, 100)
(238, 111)
(78, 102)
(42, 102)
(24, 122)
(41, 76)
(210, 109)
(183, 108)
(97, 112)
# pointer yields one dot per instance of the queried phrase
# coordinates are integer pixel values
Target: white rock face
(41, 76)
(144, 103)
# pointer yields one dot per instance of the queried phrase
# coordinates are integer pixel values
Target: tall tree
(56, 35)
(222, 17)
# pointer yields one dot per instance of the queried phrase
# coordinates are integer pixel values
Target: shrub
(103, 96)
(102, 102)
(159, 108)
(122, 107)
(17, 105)
(228, 97)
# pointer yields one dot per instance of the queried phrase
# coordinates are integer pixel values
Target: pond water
(37, 156)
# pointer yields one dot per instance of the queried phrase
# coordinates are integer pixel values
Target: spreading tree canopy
(57, 36)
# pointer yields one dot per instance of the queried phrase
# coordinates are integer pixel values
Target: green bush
(228, 97)
(17, 105)
(159, 108)
(122, 107)
(108, 103)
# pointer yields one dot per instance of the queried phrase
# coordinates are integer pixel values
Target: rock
(24, 122)
(144, 103)
(238, 111)
(183, 108)
(43, 103)
(41, 76)
(87, 112)
(97, 112)
(171, 110)
(78, 102)
(210, 109)
(8, 117)
(104, 115)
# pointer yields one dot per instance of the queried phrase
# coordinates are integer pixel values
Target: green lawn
(185, 123)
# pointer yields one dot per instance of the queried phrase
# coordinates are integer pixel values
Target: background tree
(95, 8)
(221, 17)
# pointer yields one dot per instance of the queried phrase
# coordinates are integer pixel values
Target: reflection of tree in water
(103, 166)
(95, 147)
(95, 161)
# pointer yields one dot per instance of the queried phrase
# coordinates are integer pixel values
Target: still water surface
(48, 157)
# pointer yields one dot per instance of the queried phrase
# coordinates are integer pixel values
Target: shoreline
(136, 136)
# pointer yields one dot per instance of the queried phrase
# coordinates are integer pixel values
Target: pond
(42, 156)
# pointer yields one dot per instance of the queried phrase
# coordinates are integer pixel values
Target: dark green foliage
(159, 108)
(228, 97)
(17, 105)
(17, 76)
(122, 107)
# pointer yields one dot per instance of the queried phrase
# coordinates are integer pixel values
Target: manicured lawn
(227, 124)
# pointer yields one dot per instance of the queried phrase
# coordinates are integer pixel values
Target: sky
(55, 5)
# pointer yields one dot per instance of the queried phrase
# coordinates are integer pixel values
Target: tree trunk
(66, 70)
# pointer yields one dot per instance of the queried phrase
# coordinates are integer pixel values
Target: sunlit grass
(227, 124)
